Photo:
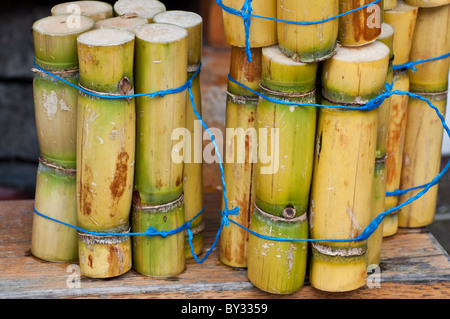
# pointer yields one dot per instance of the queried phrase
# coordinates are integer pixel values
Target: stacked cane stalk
(55, 105)
(105, 151)
(161, 53)
(403, 18)
(146, 9)
(424, 131)
(96, 10)
(193, 167)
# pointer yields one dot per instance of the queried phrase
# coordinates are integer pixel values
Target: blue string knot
(234, 211)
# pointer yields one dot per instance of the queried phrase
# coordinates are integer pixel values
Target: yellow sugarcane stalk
(389, 4)
(421, 158)
(427, 3)
(125, 22)
(262, 32)
(431, 39)
(403, 19)
(55, 197)
(307, 43)
(240, 156)
(96, 10)
(105, 148)
(360, 27)
(193, 168)
(394, 148)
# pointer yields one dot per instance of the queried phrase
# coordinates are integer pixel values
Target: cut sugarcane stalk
(431, 76)
(262, 32)
(106, 130)
(274, 266)
(105, 148)
(142, 8)
(156, 255)
(284, 180)
(126, 22)
(104, 256)
(356, 74)
(390, 4)
(96, 10)
(421, 158)
(379, 188)
(193, 167)
(307, 43)
(360, 27)
(55, 197)
(161, 53)
(427, 3)
(55, 108)
(375, 240)
(394, 148)
(55, 44)
(340, 198)
(403, 19)
(240, 153)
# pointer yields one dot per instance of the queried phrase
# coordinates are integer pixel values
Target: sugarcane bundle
(341, 199)
(55, 105)
(105, 151)
(379, 188)
(262, 32)
(161, 53)
(307, 43)
(360, 27)
(96, 10)
(427, 3)
(193, 167)
(431, 39)
(240, 141)
(389, 4)
(421, 158)
(142, 8)
(282, 179)
(403, 19)
(56, 197)
(125, 22)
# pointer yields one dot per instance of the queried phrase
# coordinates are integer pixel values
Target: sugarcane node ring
(286, 94)
(289, 212)
(381, 159)
(342, 252)
(103, 239)
(70, 171)
(161, 207)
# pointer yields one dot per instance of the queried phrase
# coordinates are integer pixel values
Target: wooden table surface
(414, 265)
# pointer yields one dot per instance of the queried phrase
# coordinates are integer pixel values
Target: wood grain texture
(414, 265)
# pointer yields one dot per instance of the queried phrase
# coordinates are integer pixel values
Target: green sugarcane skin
(277, 266)
(158, 179)
(55, 197)
(296, 140)
(155, 255)
(55, 105)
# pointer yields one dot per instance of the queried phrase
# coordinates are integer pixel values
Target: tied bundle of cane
(105, 151)
(240, 154)
(161, 53)
(55, 105)
(96, 10)
(193, 167)
(341, 199)
(424, 131)
(286, 135)
(403, 19)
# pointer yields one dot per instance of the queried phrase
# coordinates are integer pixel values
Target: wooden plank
(413, 265)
